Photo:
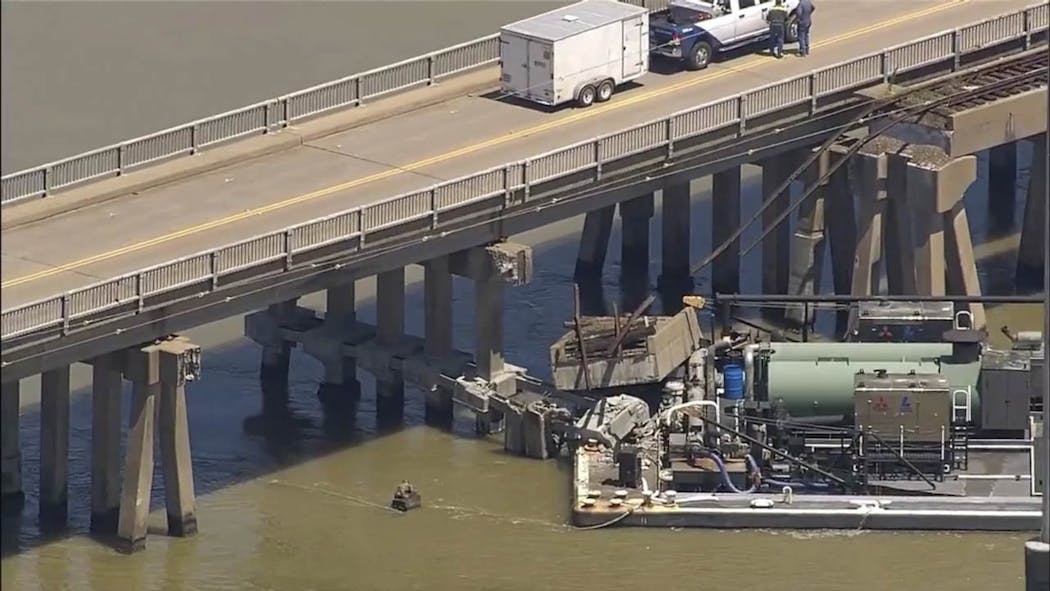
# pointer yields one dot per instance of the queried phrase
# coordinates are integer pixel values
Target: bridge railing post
(812, 94)
(670, 136)
(598, 159)
(956, 57)
(45, 182)
(433, 209)
(1026, 25)
(741, 109)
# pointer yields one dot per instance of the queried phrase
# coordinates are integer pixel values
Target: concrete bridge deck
(410, 152)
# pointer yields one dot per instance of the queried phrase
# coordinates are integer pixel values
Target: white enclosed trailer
(579, 52)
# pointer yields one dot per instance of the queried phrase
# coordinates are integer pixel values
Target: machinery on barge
(893, 409)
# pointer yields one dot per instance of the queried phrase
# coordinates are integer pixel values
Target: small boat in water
(406, 497)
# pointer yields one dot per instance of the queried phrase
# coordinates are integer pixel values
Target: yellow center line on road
(739, 66)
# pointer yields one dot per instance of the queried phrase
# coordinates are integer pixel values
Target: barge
(915, 425)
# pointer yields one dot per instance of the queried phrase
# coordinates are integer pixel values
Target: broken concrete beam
(536, 431)
(514, 431)
(505, 262)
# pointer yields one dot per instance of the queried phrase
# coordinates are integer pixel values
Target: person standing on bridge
(776, 16)
(804, 12)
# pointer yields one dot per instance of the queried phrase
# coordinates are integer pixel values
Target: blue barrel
(733, 372)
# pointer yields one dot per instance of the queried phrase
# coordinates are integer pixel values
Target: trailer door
(514, 55)
(541, 77)
(635, 46)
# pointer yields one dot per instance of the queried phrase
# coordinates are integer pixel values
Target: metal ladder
(965, 406)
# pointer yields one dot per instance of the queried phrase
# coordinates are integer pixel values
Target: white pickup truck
(694, 31)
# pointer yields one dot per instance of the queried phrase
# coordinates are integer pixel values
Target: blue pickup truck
(693, 31)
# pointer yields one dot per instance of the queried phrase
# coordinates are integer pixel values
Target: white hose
(693, 404)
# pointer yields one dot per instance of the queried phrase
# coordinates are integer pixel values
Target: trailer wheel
(586, 96)
(605, 90)
(699, 57)
(791, 30)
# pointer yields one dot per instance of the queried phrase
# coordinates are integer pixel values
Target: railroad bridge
(247, 211)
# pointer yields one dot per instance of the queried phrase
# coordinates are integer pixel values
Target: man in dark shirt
(804, 12)
(776, 16)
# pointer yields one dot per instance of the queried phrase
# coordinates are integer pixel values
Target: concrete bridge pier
(594, 244)
(144, 373)
(179, 363)
(276, 355)
(1002, 187)
(11, 453)
(106, 403)
(634, 254)
(675, 279)
(158, 370)
(492, 268)
(340, 388)
(488, 335)
(776, 247)
(725, 218)
(437, 319)
(807, 244)
(944, 253)
(1033, 230)
(869, 167)
(390, 327)
(54, 447)
(840, 220)
(899, 244)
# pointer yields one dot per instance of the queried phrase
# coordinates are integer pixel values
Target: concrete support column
(10, 450)
(437, 312)
(841, 227)
(675, 280)
(340, 390)
(144, 372)
(488, 332)
(961, 264)
(390, 327)
(634, 258)
(900, 249)
(725, 218)
(1002, 187)
(1033, 228)
(54, 446)
(106, 401)
(869, 184)
(174, 434)
(276, 355)
(776, 247)
(807, 245)
(936, 184)
(594, 244)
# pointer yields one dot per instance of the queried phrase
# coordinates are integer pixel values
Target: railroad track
(994, 82)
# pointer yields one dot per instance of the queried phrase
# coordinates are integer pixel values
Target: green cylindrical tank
(825, 388)
(858, 351)
(817, 379)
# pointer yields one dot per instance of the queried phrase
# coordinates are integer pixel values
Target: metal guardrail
(135, 292)
(256, 119)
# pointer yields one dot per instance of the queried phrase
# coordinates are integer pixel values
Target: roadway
(412, 151)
